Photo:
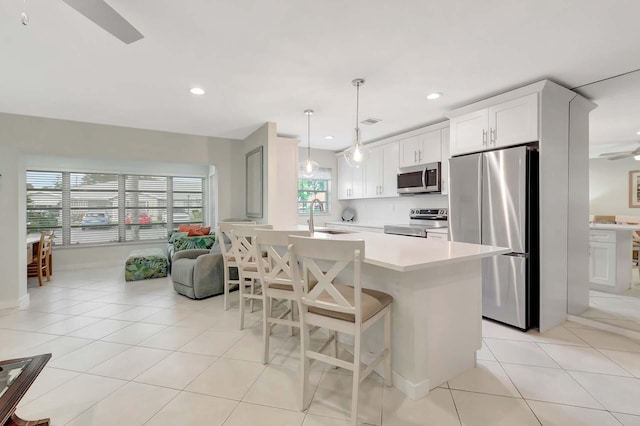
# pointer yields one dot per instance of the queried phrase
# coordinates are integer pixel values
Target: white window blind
(92, 213)
(98, 208)
(44, 203)
(146, 207)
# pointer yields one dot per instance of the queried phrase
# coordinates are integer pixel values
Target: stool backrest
(335, 256)
(277, 269)
(242, 247)
(224, 237)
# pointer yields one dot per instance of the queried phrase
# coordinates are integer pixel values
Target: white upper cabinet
(381, 170)
(444, 170)
(350, 180)
(421, 149)
(514, 122)
(372, 173)
(469, 132)
(508, 123)
(389, 181)
(345, 181)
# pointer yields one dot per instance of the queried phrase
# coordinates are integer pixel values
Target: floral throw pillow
(200, 242)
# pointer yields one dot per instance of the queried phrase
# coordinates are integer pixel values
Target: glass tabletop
(10, 372)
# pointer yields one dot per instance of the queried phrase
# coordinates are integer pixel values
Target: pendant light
(358, 154)
(309, 167)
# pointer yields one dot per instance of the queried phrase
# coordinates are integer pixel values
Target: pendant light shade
(358, 154)
(308, 168)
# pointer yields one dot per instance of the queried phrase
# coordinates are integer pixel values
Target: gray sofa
(199, 273)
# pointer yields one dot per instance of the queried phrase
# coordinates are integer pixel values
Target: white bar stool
(337, 307)
(247, 258)
(277, 280)
(228, 258)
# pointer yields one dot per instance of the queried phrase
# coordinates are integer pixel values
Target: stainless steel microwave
(420, 179)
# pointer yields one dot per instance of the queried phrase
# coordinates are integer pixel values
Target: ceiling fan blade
(609, 154)
(106, 17)
(621, 156)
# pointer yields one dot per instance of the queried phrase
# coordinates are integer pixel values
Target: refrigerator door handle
(514, 254)
(479, 182)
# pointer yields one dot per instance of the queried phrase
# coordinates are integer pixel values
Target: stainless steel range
(421, 222)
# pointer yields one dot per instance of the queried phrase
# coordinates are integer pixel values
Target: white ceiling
(270, 60)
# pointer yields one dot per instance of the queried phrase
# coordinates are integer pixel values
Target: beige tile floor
(137, 353)
(621, 310)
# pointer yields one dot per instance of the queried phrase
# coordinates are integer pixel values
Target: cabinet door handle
(381, 189)
(484, 137)
(419, 155)
(493, 136)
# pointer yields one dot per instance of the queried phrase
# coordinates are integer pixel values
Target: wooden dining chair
(339, 308)
(277, 281)
(42, 264)
(228, 256)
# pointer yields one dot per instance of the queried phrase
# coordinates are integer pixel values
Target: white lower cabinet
(602, 263)
(437, 236)
(610, 260)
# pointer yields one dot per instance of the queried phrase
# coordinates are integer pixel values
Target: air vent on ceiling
(369, 121)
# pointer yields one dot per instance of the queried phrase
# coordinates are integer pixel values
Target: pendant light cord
(357, 102)
(308, 137)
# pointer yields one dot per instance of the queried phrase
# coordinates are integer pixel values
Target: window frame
(325, 176)
(68, 205)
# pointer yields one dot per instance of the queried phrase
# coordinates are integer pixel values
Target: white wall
(23, 138)
(391, 211)
(259, 138)
(609, 186)
(327, 160)
(283, 182)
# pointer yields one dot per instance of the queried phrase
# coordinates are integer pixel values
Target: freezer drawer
(504, 290)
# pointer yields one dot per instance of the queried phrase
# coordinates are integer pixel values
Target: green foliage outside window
(310, 189)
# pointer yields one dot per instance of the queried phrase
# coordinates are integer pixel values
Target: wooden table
(27, 370)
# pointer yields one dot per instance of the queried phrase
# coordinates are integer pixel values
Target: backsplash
(394, 210)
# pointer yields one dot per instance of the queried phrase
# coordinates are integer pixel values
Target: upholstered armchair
(198, 273)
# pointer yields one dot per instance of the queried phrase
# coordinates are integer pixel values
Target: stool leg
(266, 329)
(356, 379)
(388, 379)
(226, 288)
(241, 297)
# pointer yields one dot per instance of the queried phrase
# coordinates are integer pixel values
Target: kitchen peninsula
(437, 309)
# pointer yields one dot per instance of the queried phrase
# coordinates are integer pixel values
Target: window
(97, 208)
(318, 187)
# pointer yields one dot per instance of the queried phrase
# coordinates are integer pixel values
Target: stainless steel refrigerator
(493, 200)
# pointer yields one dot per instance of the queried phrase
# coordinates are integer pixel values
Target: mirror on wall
(614, 201)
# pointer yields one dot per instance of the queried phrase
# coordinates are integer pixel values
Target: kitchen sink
(333, 231)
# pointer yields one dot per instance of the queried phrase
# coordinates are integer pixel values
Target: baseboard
(21, 303)
(91, 265)
(604, 326)
(412, 390)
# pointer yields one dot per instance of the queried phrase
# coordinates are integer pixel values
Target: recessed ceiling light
(434, 95)
(197, 91)
(328, 137)
(637, 133)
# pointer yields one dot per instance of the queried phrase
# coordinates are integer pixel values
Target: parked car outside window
(94, 219)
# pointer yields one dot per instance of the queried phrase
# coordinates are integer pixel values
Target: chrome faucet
(310, 221)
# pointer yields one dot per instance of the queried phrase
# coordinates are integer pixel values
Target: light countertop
(378, 225)
(614, 227)
(405, 254)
